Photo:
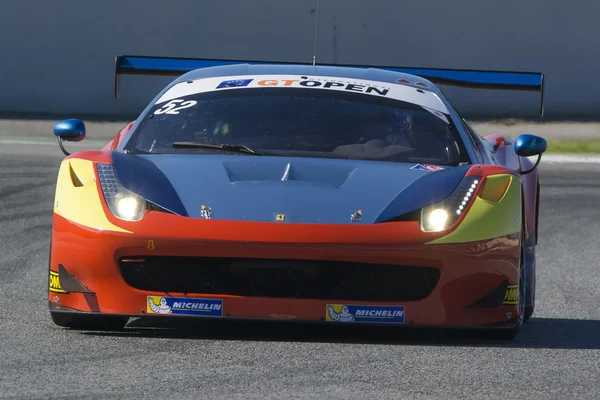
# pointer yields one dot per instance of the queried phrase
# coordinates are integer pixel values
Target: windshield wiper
(236, 148)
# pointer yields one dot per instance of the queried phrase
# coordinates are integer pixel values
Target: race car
(297, 192)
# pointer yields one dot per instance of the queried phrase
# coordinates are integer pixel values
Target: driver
(400, 129)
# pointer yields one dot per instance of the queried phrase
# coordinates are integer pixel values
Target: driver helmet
(400, 128)
(402, 123)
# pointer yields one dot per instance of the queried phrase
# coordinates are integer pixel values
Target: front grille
(280, 278)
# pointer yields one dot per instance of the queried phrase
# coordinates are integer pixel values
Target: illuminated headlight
(123, 203)
(437, 219)
(442, 215)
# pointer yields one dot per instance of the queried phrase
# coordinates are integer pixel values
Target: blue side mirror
(530, 145)
(71, 130)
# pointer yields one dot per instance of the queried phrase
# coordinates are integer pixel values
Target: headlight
(123, 203)
(437, 219)
(442, 215)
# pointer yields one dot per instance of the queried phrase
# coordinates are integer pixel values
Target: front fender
(496, 211)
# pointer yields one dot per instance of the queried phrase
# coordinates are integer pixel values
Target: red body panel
(116, 141)
(468, 271)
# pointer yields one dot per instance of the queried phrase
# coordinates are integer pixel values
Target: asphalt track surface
(556, 356)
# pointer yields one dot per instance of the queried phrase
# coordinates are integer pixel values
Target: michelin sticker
(356, 313)
(185, 306)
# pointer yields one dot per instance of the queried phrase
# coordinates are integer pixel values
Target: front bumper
(472, 285)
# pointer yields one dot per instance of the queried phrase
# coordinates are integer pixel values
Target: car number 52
(174, 106)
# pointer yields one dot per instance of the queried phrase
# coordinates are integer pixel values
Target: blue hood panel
(305, 190)
(426, 191)
(141, 176)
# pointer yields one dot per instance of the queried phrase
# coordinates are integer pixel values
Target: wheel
(530, 290)
(512, 333)
(529, 308)
(88, 322)
(531, 263)
(528, 312)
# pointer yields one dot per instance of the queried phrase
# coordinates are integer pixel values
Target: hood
(304, 190)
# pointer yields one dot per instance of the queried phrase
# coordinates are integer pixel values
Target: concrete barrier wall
(58, 57)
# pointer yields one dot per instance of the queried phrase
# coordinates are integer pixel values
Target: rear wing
(474, 79)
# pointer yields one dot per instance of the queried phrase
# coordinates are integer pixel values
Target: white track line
(36, 142)
(10, 141)
(548, 158)
(568, 159)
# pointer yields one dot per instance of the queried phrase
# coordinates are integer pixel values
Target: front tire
(512, 333)
(530, 304)
(88, 322)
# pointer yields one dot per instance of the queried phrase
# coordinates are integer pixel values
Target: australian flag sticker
(234, 83)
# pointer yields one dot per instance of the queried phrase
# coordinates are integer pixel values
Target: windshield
(300, 122)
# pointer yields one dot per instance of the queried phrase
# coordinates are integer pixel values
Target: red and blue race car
(341, 194)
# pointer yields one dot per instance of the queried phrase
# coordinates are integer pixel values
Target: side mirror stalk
(66, 153)
(534, 167)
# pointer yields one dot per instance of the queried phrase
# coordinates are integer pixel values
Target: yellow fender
(496, 212)
(77, 197)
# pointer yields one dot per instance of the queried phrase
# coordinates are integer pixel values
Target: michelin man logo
(365, 313)
(161, 308)
(343, 316)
